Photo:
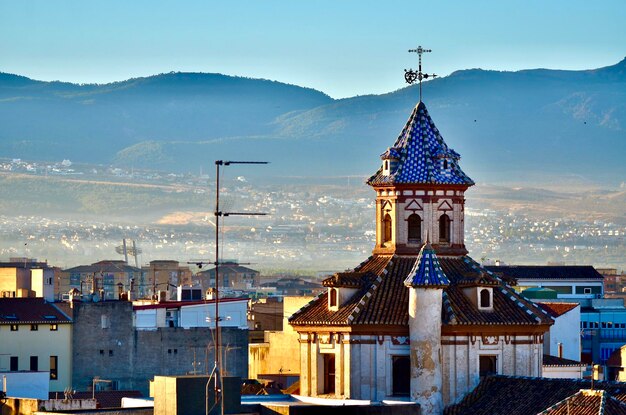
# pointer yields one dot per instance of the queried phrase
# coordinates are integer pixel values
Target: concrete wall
(133, 357)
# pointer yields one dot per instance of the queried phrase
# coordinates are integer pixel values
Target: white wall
(566, 330)
(563, 372)
(232, 314)
(33, 385)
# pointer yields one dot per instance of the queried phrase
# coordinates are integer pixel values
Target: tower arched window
(485, 298)
(444, 228)
(445, 164)
(414, 224)
(387, 228)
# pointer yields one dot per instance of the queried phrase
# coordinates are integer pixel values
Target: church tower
(420, 191)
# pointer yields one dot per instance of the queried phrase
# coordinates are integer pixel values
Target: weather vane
(410, 76)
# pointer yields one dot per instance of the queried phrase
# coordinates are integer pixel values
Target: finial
(410, 76)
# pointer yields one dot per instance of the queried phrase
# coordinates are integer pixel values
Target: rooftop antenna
(218, 213)
(410, 76)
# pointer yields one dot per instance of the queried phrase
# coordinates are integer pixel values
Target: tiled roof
(30, 311)
(557, 309)
(547, 272)
(346, 279)
(234, 268)
(113, 266)
(523, 395)
(383, 298)
(549, 360)
(421, 152)
(426, 272)
(587, 402)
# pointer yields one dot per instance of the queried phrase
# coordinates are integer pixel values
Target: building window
(329, 373)
(401, 368)
(333, 297)
(485, 298)
(110, 353)
(104, 321)
(34, 363)
(14, 327)
(102, 352)
(487, 365)
(54, 327)
(387, 228)
(415, 229)
(14, 364)
(54, 371)
(445, 164)
(444, 228)
(587, 290)
(34, 327)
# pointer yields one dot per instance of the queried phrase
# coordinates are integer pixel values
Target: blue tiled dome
(427, 272)
(423, 155)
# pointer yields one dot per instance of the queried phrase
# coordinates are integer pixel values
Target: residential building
(164, 276)
(419, 318)
(105, 279)
(25, 277)
(603, 328)
(36, 336)
(571, 282)
(231, 275)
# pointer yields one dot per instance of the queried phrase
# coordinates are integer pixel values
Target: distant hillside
(506, 125)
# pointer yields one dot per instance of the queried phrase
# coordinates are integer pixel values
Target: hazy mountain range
(517, 126)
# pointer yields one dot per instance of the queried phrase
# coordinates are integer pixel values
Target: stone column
(425, 340)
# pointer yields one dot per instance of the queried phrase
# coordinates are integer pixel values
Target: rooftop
(548, 272)
(525, 395)
(30, 311)
(382, 297)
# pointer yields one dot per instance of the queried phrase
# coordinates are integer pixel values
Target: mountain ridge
(501, 122)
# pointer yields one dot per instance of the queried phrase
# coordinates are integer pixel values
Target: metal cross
(410, 76)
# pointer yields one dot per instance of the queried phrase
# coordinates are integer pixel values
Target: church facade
(419, 318)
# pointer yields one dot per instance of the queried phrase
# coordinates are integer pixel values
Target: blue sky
(341, 47)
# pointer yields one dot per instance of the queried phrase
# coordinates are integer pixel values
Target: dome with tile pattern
(423, 156)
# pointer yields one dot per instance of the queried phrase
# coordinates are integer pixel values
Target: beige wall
(12, 279)
(281, 349)
(43, 343)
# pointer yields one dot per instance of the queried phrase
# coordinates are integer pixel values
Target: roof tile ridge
(62, 312)
(559, 403)
(307, 305)
(448, 306)
(602, 402)
(368, 294)
(362, 264)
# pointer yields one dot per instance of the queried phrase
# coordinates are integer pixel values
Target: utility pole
(218, 213)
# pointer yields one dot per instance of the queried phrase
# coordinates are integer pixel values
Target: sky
(343, 48)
